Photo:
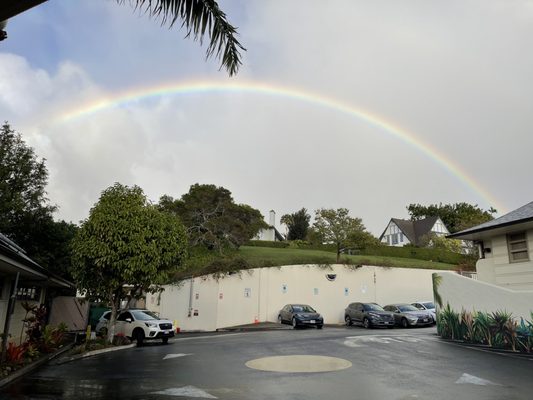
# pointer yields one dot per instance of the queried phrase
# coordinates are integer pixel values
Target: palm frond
(199, 18)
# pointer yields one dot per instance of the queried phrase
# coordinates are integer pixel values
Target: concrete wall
(473, 295)
(259, 294)
(495, 268)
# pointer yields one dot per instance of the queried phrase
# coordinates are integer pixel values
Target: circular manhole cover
(299, 364)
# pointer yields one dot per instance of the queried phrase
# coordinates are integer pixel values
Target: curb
(29, 368)
(488, 349)
(92, 353)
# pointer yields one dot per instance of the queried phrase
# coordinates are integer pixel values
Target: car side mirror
(128, 319)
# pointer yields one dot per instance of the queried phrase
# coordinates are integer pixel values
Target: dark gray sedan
(407, 315)
(300, 315)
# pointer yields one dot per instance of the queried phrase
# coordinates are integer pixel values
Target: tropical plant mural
(497, 329)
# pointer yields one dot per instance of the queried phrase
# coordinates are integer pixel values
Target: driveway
(333, 363)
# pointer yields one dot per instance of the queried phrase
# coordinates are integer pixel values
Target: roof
(14, 259)
(521, 215)
(414, 230)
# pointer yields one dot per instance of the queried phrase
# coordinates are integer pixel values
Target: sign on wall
(346, 291)
(247, 292)
(315, 291)
(284, 288)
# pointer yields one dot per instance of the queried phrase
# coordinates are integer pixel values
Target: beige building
(503, 244)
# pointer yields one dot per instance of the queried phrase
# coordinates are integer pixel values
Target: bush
(267, 243)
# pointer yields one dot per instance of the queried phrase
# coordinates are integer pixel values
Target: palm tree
(198, 17)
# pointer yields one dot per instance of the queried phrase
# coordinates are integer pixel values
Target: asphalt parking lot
(336, 362)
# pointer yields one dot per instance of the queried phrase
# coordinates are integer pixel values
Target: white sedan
(427, 306)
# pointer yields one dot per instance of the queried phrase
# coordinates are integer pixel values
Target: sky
(367, 105)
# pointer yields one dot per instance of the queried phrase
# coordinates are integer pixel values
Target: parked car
(141, 325)
(428, 306)
(407, 315)
(368, 315)
(101, 325)
(300, 315)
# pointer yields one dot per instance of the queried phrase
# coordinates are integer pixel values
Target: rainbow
(256, 88)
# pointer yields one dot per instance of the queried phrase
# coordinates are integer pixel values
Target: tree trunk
(115, 304)
(338, 252)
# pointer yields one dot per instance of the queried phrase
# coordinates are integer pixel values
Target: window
(395, 238)
(29, 293)
(124, 316)
(517, 245)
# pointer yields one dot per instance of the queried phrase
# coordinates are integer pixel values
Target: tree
(336, 226)
(26, 215)
(125, 241)
(297, 223)
(456, 216)
(199, 17)
(435, 241)
(212, 218)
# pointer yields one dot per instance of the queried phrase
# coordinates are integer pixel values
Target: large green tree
(337, 227)
(456, 216)
(26, 215)
(212, 218)
(297, 224)
(126, 241)
(198, 17)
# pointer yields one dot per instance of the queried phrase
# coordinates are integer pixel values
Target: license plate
(166, 332)
(425, 320)
(312, 321)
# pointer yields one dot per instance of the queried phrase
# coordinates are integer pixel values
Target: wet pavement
(353, 363)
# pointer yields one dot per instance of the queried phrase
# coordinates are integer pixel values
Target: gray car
(407, 315)
(368, 315)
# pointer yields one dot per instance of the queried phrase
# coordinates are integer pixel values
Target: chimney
(272, 220)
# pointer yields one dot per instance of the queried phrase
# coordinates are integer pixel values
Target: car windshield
(429, 304)
(373, 307)
(303, 308)
(144, 315)
(404, 308)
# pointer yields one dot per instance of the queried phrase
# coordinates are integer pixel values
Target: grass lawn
(267, 257)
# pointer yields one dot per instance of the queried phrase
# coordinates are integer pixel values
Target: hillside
(258, 257)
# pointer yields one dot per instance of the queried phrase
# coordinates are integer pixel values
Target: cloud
(455, 76)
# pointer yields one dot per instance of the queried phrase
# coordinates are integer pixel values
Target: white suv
(140, 325)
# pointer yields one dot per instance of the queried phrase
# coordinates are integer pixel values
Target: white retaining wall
(474, 295)
(257, 295)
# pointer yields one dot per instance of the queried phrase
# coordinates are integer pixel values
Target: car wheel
(405, 324)
(319, 326)
(165, 340)
(280, 320)
(294, 323)
(366, 323)
(138, 336)
(348, 320)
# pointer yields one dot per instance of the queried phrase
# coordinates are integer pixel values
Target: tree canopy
(26, 215)
(456, 216)
(213, 219)
(125, 241)
(337, 227)
(297, 224)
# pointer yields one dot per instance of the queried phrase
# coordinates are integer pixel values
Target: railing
(468, 274)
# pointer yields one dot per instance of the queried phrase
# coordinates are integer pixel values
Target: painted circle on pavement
(299, 363)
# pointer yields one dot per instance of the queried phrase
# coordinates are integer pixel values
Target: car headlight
(412, 319)
(374, 316)
(151, 324)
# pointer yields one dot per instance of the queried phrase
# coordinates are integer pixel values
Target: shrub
(267, 243)
(15, 353)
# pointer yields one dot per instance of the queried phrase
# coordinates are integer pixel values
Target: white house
(503, 245)
(270, 234)
(400, 232)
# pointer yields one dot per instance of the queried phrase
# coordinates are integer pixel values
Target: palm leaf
(199, 18)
